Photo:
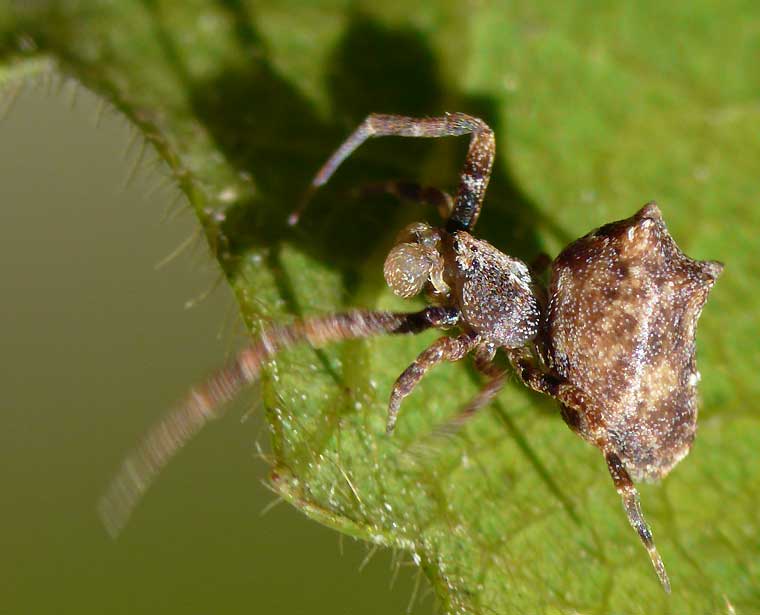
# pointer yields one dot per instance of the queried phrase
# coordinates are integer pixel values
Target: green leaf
(598, 108)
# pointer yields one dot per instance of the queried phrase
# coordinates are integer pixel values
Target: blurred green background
(96, 345)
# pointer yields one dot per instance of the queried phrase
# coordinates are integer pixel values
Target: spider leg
(497, 378)
(411, 191)
(532, 375)
(205, 401)
(630, 496)
(475, 173)
(443, 349)
(575, 405)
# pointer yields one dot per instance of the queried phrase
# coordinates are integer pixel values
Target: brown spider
(611, 338)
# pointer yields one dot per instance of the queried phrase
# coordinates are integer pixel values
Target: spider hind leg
(630, 496)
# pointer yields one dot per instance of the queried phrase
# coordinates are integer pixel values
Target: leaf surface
(597, 110)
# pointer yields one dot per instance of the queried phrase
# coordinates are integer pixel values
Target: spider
(611, 337)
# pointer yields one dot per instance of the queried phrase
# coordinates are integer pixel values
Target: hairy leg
(630, 496)
(205, 401)
(529, 372)
(496, 379)
(475, 173)
(575, 406)
(443, 349)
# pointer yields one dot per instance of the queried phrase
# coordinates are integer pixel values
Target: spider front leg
(443, 349)
(205, 401)
(576, 406)
(475, 173)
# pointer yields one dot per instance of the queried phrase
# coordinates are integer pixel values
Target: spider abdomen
(620, 326)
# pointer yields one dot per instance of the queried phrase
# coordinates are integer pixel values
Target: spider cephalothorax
(611, 338)
(494, 292)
